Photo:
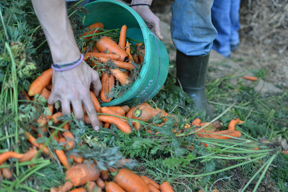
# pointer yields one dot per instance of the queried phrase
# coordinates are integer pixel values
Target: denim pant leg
(221, 20)
(235, 25)
(192, 30)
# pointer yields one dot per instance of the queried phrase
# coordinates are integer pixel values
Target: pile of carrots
(115, 56)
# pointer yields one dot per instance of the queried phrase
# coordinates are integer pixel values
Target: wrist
(149, 2)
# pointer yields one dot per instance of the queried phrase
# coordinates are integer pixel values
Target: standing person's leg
(192, 34)
(235, 25)
(222, 22)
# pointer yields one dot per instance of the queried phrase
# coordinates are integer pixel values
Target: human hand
(73, 87)
(152, 21)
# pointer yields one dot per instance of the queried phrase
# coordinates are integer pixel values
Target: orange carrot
(250, 78)
(66, 127)
(225, 134)
(119, 110)
(24, 93)
(65, 188)
(120, 64)
(45, 93)
(107, 125)
(233, 122)
(136, 125)
(33, 141)
(40, 82)
(196, 122)
(108, 83)
(165, 186)
(151, 182)
(125, 177)
(62, 158)
(109, 111)
(135, 58)
(111, 56)
(126, 108)
(104, 175)
(62, 141)
(91, 186)
(112, 169)
(128, 51)
(141, 52)
(49, 87)
(10, 154)
(105, 43)
(56, 115)
(70, 140)
(94, 25)
(100, 183)
(95, 102)
(29, 155)
(113, 187)
(43, 119)
(77, 158)
(81, 189)
(6, 173)
(80, 174)
(130, 112)
(87, 119)
(124, 127)
(122, 38)
(120, 76)
(95, 50)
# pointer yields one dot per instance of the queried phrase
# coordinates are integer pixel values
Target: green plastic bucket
(154, 72)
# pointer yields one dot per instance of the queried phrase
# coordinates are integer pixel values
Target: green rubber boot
(191, 74)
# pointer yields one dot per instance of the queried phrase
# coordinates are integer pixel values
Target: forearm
(53, 17)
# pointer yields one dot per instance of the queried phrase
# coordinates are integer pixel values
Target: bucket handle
(158, 68)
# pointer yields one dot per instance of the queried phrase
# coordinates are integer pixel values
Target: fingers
(96, 83)
(53, 98)
(78, 110)
(157, 28)
(91, 111)
(66, 107)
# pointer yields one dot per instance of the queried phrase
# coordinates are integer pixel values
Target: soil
(266, 57)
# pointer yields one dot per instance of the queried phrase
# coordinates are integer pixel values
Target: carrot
(100, 183)
(146, 112)
(145, 180)
(250, 78)
(122, 38)
(135, 58)
(196, 122)
(45, 93)
(62, 141)
(49, 87)
(86, 119)
(120, 76)
(108, 83)
(165, 186)
(111, 56)
(120, 64)
(40, 82)
(104, 175)
(233, 122)
(136, 125)
(141, 52)
(126, 108)
(70, 140)
(33, 141)
(152, 188)
(130, 112)
(43, 119)
(66, 127)
(29, 155)
(130, 181)
(77, 158)
(124, 127)
(225, 134)
(95, 50)
(109, 111)
(9, 154)
(95, 102)
(119, 110)
(151, 181)
(24, 93)
(55, 116)
(6, 173)
(91, 186)
(106, 125)
(94, 25)
(128, 51)
(82, 173)
(81, 189)
(62, 158)
(113, 187)
(105, 43)
(65, 188)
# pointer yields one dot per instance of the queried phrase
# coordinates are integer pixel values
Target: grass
(226, 165)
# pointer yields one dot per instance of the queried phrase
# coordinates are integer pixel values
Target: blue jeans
(225, 18)
(191, 26)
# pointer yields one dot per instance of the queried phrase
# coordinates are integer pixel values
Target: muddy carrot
(76, 158)
(126, 108)
(122, 37)
(108, 83)
(120, 76)
(55, 116)
(141, 52)
(43, 119)
(105, 43)
(100, 183)
(120, 64)
(104, 175)
(40, 82)
(111, 56)
(135, 58)
(70, 140)
(24, 93)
